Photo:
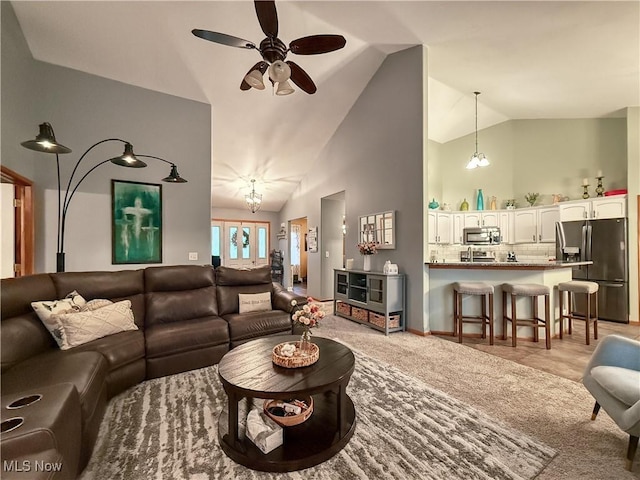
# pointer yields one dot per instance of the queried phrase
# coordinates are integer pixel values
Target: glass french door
(240, 244)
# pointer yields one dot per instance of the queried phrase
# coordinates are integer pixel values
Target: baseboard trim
(419, 333)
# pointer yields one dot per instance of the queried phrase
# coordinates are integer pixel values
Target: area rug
(166, 428)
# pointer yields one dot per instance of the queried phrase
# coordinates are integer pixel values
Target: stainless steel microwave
(481, 236)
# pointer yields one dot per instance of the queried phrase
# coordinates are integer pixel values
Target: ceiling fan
(274, 52)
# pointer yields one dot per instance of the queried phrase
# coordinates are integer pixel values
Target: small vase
(367, 263)
(464, 206)
(480, 200)
(305, 341)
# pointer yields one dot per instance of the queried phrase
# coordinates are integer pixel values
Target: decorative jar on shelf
(366, 263)
(464, 206)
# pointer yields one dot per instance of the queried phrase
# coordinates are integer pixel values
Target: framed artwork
(312, 240)
(136, 222)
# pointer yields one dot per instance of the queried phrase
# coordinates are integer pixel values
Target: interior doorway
(298, 253)
(18, 252)
(333, 237)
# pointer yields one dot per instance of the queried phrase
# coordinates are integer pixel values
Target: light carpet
(166, 428)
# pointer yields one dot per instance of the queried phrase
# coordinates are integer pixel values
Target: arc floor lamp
(46, 142)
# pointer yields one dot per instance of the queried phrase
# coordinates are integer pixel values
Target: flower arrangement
(308, 315)
(367, 248)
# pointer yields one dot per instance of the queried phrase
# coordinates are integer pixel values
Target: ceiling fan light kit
(477, 159)
(274, 52)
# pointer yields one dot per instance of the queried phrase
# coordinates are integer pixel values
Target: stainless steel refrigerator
(604, 242)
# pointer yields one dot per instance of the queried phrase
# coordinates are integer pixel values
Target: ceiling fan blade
(301, 79)
(316, 44)
(268, 17)
(261, 66)
(223, 39)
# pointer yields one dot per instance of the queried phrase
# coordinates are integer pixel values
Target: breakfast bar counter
(442, 275)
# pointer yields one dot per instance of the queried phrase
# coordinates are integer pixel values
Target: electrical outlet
(326, 254)
(193, 255)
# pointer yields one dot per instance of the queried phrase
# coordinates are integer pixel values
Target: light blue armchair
(612, 376)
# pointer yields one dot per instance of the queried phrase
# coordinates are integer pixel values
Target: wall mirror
(378, 228)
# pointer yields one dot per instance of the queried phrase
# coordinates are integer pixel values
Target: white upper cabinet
(440, 227)
(457, 219)
(595, 208)
(535, 225)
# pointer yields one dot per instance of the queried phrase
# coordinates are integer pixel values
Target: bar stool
(532, 290)
(459, 319)
(590, 289)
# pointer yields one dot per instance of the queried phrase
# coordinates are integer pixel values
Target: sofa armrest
(282, 298)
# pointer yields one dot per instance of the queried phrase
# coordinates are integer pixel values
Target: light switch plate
(193, 255)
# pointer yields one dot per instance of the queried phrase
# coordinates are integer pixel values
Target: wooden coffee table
(247, 371)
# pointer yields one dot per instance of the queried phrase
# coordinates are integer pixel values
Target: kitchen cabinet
(439, 227)
(595, 208)
(505, 222)
(457, 221)
(535, 225)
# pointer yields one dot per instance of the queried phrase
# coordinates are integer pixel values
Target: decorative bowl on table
(280, 411)
(289, 355)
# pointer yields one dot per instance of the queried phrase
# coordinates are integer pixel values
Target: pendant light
(253, 199)
(477, 159)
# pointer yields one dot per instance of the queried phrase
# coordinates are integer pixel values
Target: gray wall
(376, 157)
(84, 109)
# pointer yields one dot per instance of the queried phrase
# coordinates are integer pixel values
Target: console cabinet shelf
(371, 298)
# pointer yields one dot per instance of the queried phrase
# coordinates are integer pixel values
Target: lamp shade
(254, 78)
(45, 141)
(128, 159)
(174, 176)
(279, 71)
(284, 88)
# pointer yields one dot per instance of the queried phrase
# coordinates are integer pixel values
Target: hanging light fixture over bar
(477, 159)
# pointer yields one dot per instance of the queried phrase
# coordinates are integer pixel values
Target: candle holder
(585, 193)
(599, 188)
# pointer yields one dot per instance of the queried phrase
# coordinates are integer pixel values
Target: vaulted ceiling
(542, 59)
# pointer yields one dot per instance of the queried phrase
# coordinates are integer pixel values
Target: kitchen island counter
(442, 275)
(520, 265)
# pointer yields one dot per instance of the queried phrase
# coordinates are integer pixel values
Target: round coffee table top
(249, 371)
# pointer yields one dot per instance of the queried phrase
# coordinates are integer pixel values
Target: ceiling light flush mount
(477, 159)
(254, 200)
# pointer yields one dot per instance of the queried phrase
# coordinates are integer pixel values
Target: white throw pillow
(44, 309)
(82, 327)
(254, 302)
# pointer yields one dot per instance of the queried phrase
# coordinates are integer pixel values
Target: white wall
(376, 157)
(544, 156)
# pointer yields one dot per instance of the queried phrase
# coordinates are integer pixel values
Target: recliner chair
(612, 376)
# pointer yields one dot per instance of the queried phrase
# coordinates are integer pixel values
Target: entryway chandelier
(253, 199)
(477, 159)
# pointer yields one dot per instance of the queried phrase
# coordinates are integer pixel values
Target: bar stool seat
(485, 291)
(580, 287)
(532, 290)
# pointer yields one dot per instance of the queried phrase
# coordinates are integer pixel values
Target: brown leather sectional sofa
(187, 318)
